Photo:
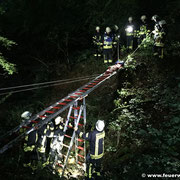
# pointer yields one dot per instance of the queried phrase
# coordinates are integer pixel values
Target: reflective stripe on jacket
(96, 141)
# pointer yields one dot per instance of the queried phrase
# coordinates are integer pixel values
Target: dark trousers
(93, 167)
(158, 51)
(140, 39)
(107, 55)
(129, 42)
(97, 51)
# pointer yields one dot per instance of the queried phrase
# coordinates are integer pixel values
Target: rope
(56, 84)
(36, 84)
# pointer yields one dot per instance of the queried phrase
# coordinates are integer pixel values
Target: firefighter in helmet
(97, 42)
(159, 39)
(143, 30)
(130, 32)
(116, 43)
(107, 42)
(96, 140)
(30, 153)
(55, 148)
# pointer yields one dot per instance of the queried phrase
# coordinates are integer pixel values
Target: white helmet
(143, 17)
(26, 115)
(116, 27)
(161, 23)
(130, 18)
(108, 29)
(97, 28)
(58, 120)
(100, 125)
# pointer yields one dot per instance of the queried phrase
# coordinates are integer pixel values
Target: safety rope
(55, 84)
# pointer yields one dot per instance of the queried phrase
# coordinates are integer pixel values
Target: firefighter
(42, 143)
(30, 153)
(55, 149)
(116, 43)
(97, 42)
(156, 20)
(96, 140)
(130, 32)
(143, 29)
(159, 39)
(107, 42)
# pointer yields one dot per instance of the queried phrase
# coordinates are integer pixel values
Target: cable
(36, 84)
(23, 90)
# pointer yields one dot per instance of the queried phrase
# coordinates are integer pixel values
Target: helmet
(97, 28)
(161, 23)
(130, 18)
(108, 29)
(116, 27)
(143, 17)
(26, 115)
(58, 120)
(100, 125)
(155, 17)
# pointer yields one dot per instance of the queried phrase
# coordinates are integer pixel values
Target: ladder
(55, 109)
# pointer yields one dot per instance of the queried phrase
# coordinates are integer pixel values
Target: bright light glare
(129, 29)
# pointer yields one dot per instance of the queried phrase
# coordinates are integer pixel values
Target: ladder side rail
(44, 111)
(45, 121)
(72, 140)
(84, 131)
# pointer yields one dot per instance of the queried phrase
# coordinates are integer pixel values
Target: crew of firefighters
(42, 147)
(109, 43)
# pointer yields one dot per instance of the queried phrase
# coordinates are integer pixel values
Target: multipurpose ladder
(71, 101)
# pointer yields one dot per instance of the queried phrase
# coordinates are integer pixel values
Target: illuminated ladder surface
(57, 108)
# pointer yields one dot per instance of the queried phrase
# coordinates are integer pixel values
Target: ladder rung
(78, 93)
(73, 96)
(82, 91)
(65, 145)
(81, 140)
(96, 81)
(26, 127)
(73, 117)
(81, 124)
(62, 104)
(80, 163)
(67, 100)
(81, 148)
(67, 136)
(42, 116)
(90, 86)
(60, 165)
(51, 112)
(93, 83)
(77, 108)
(86, 88)
(34, 121)
(56, 107)
(81, 156)
(69, 126)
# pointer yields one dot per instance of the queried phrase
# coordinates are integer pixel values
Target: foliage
(145, 123)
